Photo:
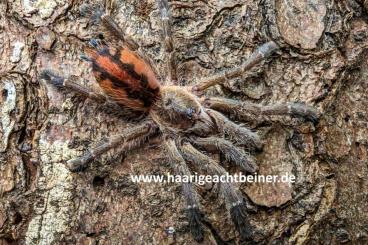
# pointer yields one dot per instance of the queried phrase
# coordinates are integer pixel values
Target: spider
(188, 123)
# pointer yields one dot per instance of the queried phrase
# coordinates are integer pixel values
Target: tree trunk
(323, 62)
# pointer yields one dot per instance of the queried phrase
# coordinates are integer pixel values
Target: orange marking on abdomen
(140, 66)
(113, 69)
(125, 77)
(120, 96)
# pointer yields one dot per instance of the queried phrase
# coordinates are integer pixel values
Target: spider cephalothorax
(178, 110)
(188, 123)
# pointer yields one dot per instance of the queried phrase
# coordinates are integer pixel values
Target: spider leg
(97, 14)
(108, 105)
(71, 84)
(245, 110)
(190, 195)
(232, 153)
(233, 198)
(261, 53)
(168, 40)
(109, 23)
(238, 133)
(130, 138)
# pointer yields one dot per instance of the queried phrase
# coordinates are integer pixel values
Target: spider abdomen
(124, 76)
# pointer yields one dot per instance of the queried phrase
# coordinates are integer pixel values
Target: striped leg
(249, 111)
(168, 41)
(129, 139)
(240, 135)
(190, 195)
(71, 84)
(256, 57)
(232, 153)
(97, 14)
(114, 29)
(107, 105)
(232, 197)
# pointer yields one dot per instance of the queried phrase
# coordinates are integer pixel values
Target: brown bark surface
(323, 62)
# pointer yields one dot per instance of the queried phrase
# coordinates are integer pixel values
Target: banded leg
(261, 53)
(129, 139)
(233, 198)
(168, 41)
(247, 110)
(71, 84)
(189, 192)
(240, 135)
(232, 153)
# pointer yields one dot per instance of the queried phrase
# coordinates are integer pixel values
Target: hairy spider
(188, 123)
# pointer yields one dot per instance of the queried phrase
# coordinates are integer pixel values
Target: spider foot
(92, 11)
(79, 164)
(194, 216)
(239, 217)
(85, 57)
(97, 47)
(95, 43)
(51, 77)
(303, 111)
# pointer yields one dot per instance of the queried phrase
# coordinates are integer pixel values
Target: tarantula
(188, 123)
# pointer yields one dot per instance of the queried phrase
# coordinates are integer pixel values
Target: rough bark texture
(323, 61)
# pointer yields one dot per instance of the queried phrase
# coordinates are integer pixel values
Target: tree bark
(322, 62)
